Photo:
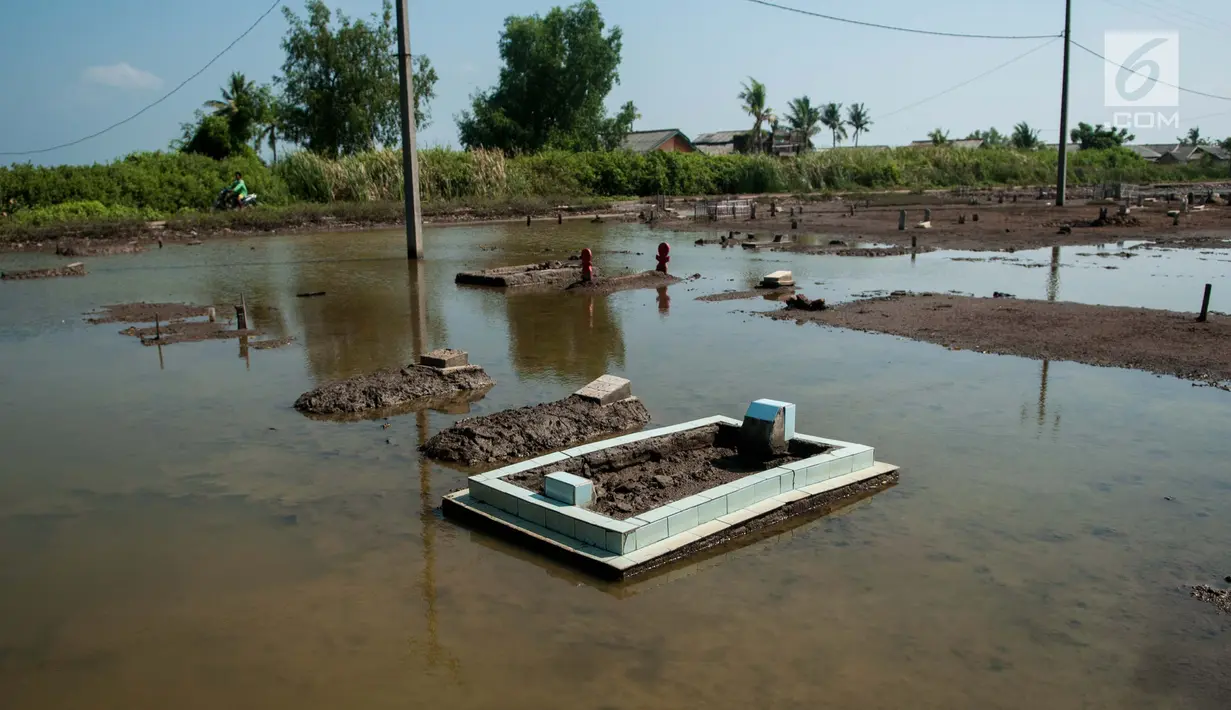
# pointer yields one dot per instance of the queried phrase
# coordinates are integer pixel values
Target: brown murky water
(173, 534)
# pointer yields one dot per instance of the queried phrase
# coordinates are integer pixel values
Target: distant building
(670, 140)
(963, 143)
(724, 142)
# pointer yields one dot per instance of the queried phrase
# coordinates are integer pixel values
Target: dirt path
(1156, 341)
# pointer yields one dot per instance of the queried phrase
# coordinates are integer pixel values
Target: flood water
(173, 534)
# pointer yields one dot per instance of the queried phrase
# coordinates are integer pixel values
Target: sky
(77, 66)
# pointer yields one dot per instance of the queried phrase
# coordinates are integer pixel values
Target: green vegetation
(1025, 138)
(1099, 137)
(831, 118)
(860, 121)
(558, 71)
(755, 100)
(803, 118)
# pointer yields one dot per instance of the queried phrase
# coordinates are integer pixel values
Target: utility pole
(1063, 162)
(410, 155)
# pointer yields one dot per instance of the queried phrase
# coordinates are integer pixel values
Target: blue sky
(75, 66)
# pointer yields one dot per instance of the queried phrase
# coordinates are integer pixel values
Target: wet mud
(182, 331)
(633, 478)
(1162, 342)
(146, 312)
(528, 431)
(1219, 598)
(379, 392)
(769, 294)
(70, 270)
(613, 284)
(87, 247)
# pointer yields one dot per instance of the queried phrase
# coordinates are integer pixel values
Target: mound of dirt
(1220, 598)
(527, 431)
(387, 389)
(147, 312)
(84, 247)
(77, 269)
(645, 279)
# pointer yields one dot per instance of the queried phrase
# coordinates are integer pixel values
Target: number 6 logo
(1135, 66)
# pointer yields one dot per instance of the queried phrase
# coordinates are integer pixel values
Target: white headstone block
(568, 488)
(767, 410)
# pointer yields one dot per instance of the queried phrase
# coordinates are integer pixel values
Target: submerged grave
(441, 378)
(627, 505)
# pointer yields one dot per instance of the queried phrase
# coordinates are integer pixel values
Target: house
(1182, 154)
(670, 140)
(723, 142)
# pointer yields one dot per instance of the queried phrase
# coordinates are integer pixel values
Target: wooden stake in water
(901, 220)
(1205, 304)
(158, 328)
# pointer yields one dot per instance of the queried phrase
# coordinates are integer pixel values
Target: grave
(624, 506)
(777, 279)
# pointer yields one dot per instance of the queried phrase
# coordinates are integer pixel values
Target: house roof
(716, 148)
(959, 143)
(1181, 153)
(1146, 151)
(718, 138)
(646, 141)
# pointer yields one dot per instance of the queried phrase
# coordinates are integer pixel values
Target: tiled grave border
(723, 503)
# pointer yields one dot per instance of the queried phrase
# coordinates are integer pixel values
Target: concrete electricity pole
(410, 155)
(1063, 162)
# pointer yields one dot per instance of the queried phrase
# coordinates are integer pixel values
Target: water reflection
(571, 336)
(1053, 275)
(664, 301)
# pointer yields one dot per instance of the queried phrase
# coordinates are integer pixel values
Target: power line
(895, 28)
(972, 79)
(1148, 77)
(166, 96)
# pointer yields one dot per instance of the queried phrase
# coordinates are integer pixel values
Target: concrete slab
(445, 358)
(606, 390)
(568, 488)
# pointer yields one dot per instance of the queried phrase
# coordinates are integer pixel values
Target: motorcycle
(226, 200)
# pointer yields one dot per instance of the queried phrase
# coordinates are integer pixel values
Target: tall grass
(169, 183)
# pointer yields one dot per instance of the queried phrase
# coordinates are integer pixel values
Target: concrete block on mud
(568, 488)
(606, 390)
(768, 426)
(777, 279)
(445, 358)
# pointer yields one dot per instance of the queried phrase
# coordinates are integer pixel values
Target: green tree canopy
(991, 138)
(1193, 137)
(340, 85)
(1025, 138)
(755, 100)
(831, 117)
(1099, 137)
(939, 136)
(803, 118)
(558, 71)
(858, 118)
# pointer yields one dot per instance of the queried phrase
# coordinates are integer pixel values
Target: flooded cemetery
(618, 456)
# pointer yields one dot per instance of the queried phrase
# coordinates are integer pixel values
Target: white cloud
(121, 76)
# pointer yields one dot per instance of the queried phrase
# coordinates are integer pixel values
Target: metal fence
(721, 209)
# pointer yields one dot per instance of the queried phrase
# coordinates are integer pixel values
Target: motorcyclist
(238, 190)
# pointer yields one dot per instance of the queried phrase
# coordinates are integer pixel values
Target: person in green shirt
(239, 190)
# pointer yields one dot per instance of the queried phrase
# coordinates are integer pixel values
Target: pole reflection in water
(664, 300)
(427, 515)
(1053, 276)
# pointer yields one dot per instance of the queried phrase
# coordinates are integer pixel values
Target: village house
(670, 140)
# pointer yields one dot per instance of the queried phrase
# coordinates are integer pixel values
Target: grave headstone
(568, 488)
(606, 390)
(445, 358)
(769, 426)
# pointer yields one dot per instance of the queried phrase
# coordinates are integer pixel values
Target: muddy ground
(1029, 224)
(628, 282)
(89, 247)
(1162, 342)
(187, 332)
(146, 312)
(70, 270)
(1219, 598)
(528, 431)
(769, 294)
(385, 390)
(633, 478)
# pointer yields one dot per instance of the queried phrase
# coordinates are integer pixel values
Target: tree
(991, 138)
(804, 117)
(858, 118)
(340, 86)
(1225, 144)
(208, 134)
(831, 117)
(240, 106)
(1024, 137)
(939, 137)
(754, 98)
(1193, 137)
(1099, 137)
(268, 121)
(558, 70)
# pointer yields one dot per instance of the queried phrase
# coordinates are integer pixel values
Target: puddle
(160, 519)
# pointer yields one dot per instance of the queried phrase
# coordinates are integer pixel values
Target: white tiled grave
(622, 544)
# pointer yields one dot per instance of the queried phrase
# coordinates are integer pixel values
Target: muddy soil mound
(769, 294)
(1220, 598)
(182, 331)
(645, 279)
(146, 312)
(70, 270)
(1162, 342)
(85, 247)
(387, 389)
(526, 431)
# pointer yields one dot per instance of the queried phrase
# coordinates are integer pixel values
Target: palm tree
(938, 136)
(831, 117)
(268, 121)
(754, 98)
(240, 106)
(858, 118)
(1024, 137)
(803, 117)
(1193, 138)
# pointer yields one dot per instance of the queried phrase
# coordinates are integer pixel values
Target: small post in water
(527, 220)
(664, 251)
(914, 242)
(1205, 304)
(241, 314)
(158, 327)
(587, 265)
(559, 218)
(901, 220)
